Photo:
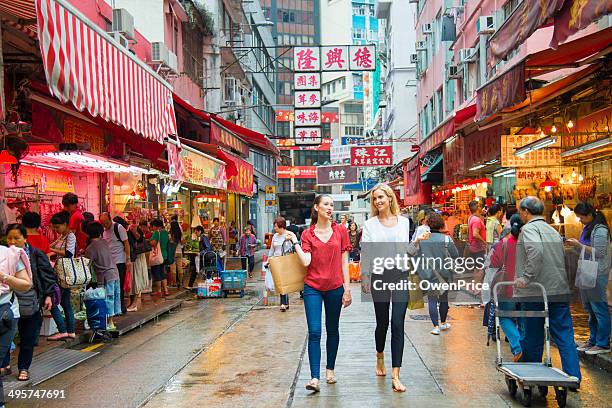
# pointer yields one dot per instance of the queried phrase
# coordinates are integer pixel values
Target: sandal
(380, 360)
(313, 385)
(284, 308)
(5, 371)
(24, 375)
(331, 378)
(397, 385)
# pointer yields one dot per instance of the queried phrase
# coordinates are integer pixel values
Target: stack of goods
(209, 288)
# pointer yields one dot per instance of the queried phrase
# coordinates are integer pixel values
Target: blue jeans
(561, 332)
(511, 328)
(68, 313)
(113, 298)
(5, 346)
(313, 302)
(432, 303)
(595, 303)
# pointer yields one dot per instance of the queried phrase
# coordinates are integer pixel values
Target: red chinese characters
(308, 136)
(334, 58)
(371, 156)
(307, 99)
(308, 117)
(306, 59)
(362, 58)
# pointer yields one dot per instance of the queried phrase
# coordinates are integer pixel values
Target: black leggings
(398, 314)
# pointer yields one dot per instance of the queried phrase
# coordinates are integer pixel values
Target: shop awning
(85, 66)
(231, 169)
(434, 173)
(188, 107)
(250, 136)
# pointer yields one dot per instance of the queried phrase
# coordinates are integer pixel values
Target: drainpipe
(483, 58)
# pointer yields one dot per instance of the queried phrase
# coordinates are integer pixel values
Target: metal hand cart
(233, 277)
(527, 376)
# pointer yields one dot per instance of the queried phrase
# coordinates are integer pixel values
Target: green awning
(434, 173)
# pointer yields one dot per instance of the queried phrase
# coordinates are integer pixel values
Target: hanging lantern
(548, 184)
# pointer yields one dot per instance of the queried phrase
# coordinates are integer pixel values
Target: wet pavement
(236, 353)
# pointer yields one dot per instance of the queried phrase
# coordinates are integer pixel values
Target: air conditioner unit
(159, 52)
(231, 95)
(426, 28)
(120, 38)
(421, 45)
(466, 55)
(172, 61)
(485, 25)
(414, 58)
(453, 72)
(123, 22)
(413, 1)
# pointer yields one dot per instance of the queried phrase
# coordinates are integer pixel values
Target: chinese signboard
(339, 153)
(327, 175)
(289, 116)
(453, 159)
(289, 144)
(548, 156)
(335, 58)
(307, 80)
(202, 170)
(353, 140)
(481, 146)
(293, 172)
(503, 92)
(366, 156)
(47, 180)
(76, 131)
(534, 176)
(307, 99)
(241, 183)
(224, 138)
(307, 136)
(308, 117)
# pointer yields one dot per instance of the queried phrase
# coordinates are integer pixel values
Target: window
(440, 107)
(343, 82)
(283, 129)
(358, 9)
(305, 184)
(310, 157)
(284, 185)
(358, 33)
(353, 108)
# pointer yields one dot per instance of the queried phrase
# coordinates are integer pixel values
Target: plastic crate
(234, 279)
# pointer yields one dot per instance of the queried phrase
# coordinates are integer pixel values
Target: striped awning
(85, 66)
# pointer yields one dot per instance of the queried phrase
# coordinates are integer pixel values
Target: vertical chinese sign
(307, 95)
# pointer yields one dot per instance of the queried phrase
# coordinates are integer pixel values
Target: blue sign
(353, 140)
(363, 185)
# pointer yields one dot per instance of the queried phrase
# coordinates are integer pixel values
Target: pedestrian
(117, 238)
(216, 238)
(437, 248)
(160, 236)
(386, 228)
(246, 246)
(277, 247)
(343, 221)
(251, 224)
(595, 240)
(477, 240)
(233, 238)
(31, 221)
(203, 246)
(504, 256)
(63, 247)
(15, 275)
(100, 255)
(140, 271)
(422, 228)
(540, 258)
(70, 201)
(31, 302)
(355, 239)
(493, 226)
(176, 267)
(324, 251)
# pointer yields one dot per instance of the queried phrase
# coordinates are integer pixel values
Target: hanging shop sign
(222, 137)
(353, 140)
(339, 153)
(481, 146)
(175, 164)
(308, 117)
(241, 183)
(289, 116)
(307, 99)
(576, 15)
(295, 172)
(203, 171)
(307, 80)
(290, 144)
(453, 153)
(78, 131)
(503, 92)
(549, 156)
(328, 175)
(367, 156)
(308, 136)
(47, 180)
(335, 58)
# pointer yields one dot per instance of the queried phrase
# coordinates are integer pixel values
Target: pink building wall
(100, 13)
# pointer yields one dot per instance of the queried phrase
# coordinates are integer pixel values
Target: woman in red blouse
(324, 250)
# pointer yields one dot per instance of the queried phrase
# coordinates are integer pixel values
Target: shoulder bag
(72, 272)
(288, 271)
(157, 258)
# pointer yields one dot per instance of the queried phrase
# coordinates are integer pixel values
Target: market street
(233, 352)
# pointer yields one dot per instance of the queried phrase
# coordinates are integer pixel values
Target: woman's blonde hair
(393, 207)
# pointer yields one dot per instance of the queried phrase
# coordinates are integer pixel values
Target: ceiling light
(586, 147)
(573, 173)
(492, 162)
(478, 167)
(553, 129)
(537, 145)
(570, 124)
(503, 172)
(580, 178)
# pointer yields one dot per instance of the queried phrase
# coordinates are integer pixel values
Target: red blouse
(325, 269)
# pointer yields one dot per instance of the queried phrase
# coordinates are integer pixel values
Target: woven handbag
(288, 272)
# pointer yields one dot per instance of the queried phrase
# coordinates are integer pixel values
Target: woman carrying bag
(32, 301)
(389, 232)
(324, 251)
(63, 247)
(277, 248)
(595, 242)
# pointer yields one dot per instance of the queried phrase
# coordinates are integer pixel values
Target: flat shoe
(331, 379)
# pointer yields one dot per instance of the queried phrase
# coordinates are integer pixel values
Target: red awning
(570, 53)
(464, 114)
(255, 138)
(187, 106)
(231, 168)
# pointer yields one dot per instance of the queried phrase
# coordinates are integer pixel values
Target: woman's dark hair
(175, 230)
(31, 219)
(356, 226)
(62, 217)
(216, 219)
(314, 216)
(157, 223)
(435, 222)
(510, 211)
(515, 225)
(121, 221)
(94, 230)
(70, 198)
(584, 208)
(494, 209)
(200, 228)
(17, 227)
(280, 222)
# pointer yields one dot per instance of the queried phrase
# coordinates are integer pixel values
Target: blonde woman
(386, 233)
